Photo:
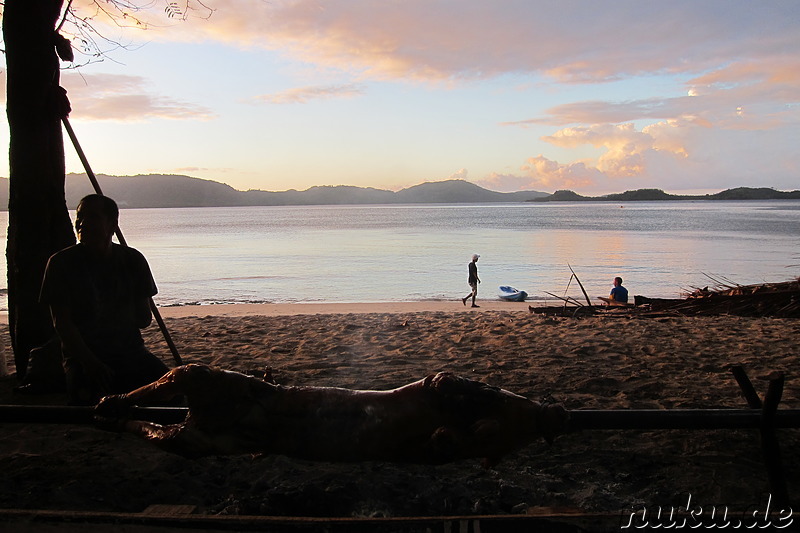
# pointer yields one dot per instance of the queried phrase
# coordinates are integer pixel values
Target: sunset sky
(593, 96)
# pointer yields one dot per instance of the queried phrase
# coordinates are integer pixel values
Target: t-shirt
(101, 296)
(473, 273)
(619, 294)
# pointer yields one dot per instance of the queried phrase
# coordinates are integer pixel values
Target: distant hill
(156, 190)
(562, 196)
(746, 193)
(650, 195)
(441, 192)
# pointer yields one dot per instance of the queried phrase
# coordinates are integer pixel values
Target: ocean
(382, 253)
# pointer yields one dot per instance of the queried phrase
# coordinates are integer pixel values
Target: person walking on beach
(473, 281)
(98, 293)
(618, 292)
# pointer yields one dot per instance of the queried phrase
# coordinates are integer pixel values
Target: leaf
(173, 10)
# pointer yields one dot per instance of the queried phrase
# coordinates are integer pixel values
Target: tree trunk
(38, 220)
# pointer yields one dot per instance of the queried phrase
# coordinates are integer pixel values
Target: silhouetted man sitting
(98, 293)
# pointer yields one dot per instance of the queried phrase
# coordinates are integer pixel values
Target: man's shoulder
(125, 251)
(130, 259)
(69, 250)
(70, 253)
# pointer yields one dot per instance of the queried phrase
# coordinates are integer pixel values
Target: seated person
(99, 297)
(619, 294)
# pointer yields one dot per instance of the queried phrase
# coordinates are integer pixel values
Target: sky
(593, 96)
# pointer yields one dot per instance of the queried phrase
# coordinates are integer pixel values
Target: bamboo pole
(69, 414)
(567, 299)
(588, 301)
(96, 185)
(579, 419)
(584, 419)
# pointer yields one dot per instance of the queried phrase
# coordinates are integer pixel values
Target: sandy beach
(238, 310)
(614, 361)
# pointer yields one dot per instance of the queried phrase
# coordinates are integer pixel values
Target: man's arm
(144, 288)
(142, 312)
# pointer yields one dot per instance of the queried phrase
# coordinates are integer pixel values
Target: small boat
(510, 294)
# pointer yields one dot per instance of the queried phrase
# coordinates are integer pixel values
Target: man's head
(617, 281)
(475, 258)
(96, 221)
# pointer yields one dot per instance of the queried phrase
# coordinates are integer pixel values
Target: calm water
(420, 252)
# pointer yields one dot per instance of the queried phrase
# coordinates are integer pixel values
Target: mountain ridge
(658, 195)
(173, 191)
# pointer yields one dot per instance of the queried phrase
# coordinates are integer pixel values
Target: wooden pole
(579, 419)
(769, 440)
(748, 391)
(584, 419)
(67, 414)
(770, 447)
(96, 185)
(588, 301)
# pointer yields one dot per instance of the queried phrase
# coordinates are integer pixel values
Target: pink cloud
(627, 158)
(737, 59)
(124, 98)
(302, 95)
(508, 182)
(551, 175)
(681, 152)
(625, 148)
(569, 41)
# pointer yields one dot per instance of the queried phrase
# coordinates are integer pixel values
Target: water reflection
(393, 253)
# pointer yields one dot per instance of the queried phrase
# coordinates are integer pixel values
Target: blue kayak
(510, 294)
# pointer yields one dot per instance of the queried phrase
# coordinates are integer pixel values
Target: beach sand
(615, 361)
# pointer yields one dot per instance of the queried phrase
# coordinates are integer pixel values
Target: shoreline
(333, 308)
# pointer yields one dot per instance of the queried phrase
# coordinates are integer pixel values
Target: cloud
(303, 95)
(552, 175)
(507, 182)
(733, 128)
(682, 153)
(628, 156)
(597, 111)
(461, 174)
(737, 61)
(569, 41)
(626, 149)
(745, 95)
(728, 104)
(125, 99)
(731, 53)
